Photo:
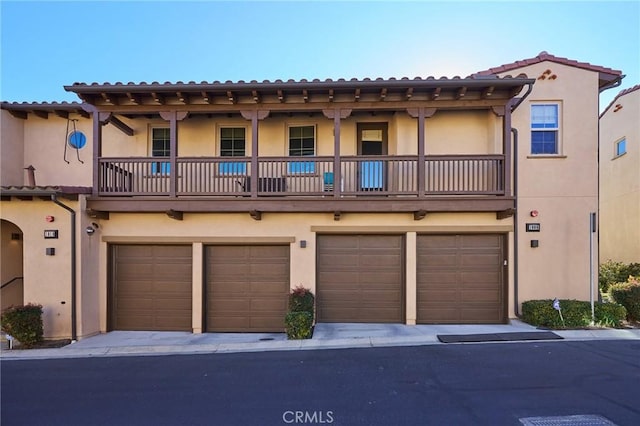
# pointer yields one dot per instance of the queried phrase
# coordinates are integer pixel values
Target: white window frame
(160, 167)
(616, 146)
(557, 129)
(301, 167)
(232, 168)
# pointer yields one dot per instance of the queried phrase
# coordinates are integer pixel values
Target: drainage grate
(266, 339)
(577, 420)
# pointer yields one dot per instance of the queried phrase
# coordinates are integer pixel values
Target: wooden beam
(461, 92)
(96, 214)
(409, 93)
(19, 114)
(435, 94)
(121, 126)
(357, 95)
(83, 113)
(231, 97)
(108, 99)
(305, 96)
(330, 95)
(61, 113)
(486, 93)
(255, 215)
(41, 114)
(280, 96)
(206, 97)
(181, 97)
(505, 214)
(256, 96)
(133, 98)
(157, 98)
(383, 94)
(419, 215)
(174, 214)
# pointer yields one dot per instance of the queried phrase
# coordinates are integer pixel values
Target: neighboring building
(620, 178)
(198, 206)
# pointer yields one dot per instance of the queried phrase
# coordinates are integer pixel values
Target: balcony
(361, 176)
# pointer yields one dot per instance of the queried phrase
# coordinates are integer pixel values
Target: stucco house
(620, 178)
(198, 206)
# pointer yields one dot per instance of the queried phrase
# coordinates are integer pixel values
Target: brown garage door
(460, 279)
(151, 287)
(360, 278)
(247, 288)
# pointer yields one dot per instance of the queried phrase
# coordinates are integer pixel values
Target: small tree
(299, 318)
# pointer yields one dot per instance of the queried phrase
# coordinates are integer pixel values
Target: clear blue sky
(46, 45)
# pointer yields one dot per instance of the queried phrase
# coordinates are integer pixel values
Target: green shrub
(575, 313)
(628, 295)
(301, 300)
(24, 323)
(299, 325)
(609, 314)
(612, 272)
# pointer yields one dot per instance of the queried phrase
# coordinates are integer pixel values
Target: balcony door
(372, 140)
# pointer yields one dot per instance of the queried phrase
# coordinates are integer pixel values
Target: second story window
(621, 147)
(232, 144)
(544, 129)
(302, 143)
(160, 147)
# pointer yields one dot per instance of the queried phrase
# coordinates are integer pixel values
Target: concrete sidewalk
(326, 336)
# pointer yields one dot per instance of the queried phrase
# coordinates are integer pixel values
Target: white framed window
(233, 142)
(161, 148)
(545, 129)
(302, 143)
(621, 147)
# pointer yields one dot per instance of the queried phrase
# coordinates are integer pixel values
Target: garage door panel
(360, 278)
(247, 288)
(151, 287)
(460, 279)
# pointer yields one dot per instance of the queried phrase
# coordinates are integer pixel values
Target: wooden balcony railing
(302, 176)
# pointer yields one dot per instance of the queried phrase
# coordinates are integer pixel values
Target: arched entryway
(11, 267)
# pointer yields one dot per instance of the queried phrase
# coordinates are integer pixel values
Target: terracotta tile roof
(39, 191)
(619, 95)
(41, 105)
(544, 56)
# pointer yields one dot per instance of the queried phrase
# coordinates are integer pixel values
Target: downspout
(515, 223)
(72, 212)
(513, 108)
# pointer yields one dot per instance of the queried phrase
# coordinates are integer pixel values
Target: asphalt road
(481, 384)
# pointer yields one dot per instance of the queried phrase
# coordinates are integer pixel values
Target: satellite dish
(77, 140)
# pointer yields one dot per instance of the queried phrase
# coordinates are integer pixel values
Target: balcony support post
(336, 114)
(99, 120)
(421, 114)
(173, 117)
(505, 113)
(254, 116)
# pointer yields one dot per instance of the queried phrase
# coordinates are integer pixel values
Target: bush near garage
(299, 318)
(627, 294)
(612, 272)
(299, 325)
(576, 314)
(24, 323)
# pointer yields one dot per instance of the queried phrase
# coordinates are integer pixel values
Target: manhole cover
(577, 420)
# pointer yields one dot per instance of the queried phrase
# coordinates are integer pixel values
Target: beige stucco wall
(198, 136)
(44, 144)
(563, 188)
(202, 229)
(47, 279)
(11, 150)
(620, 181)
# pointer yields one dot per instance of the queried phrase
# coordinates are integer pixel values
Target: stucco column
(411, 278)
(197, 288)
